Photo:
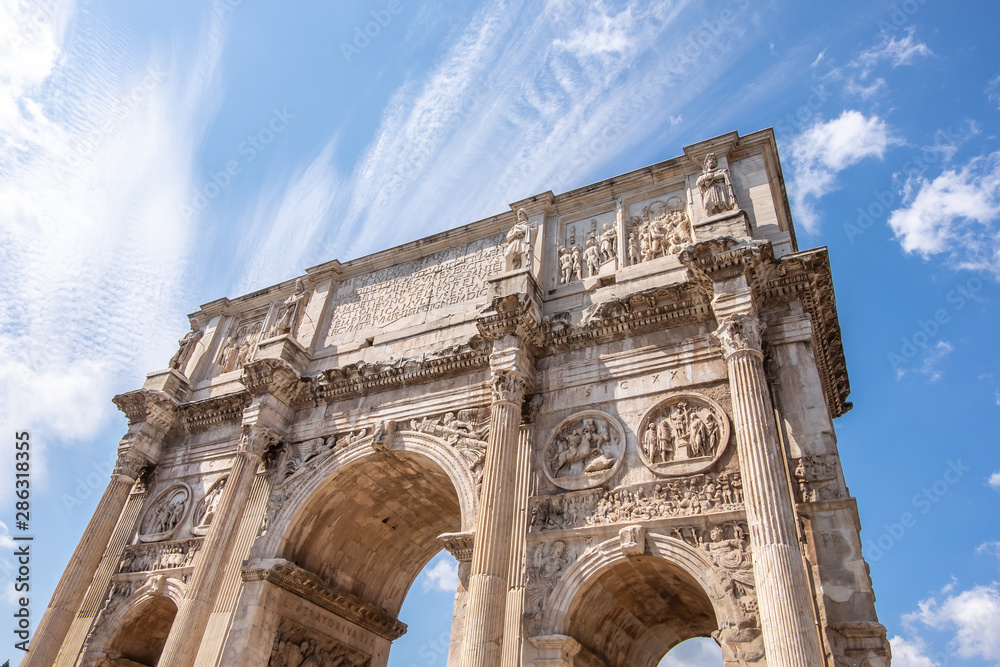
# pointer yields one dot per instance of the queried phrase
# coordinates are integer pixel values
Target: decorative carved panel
(584, 450)
(166, 514)
(296, 646)
(688, 496)
(204, 512)
(683, 434)
(440, 279)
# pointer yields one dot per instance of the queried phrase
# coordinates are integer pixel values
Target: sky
(157, 156)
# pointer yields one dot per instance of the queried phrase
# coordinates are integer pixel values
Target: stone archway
(133, 633)
(615, 607)
(361, 526)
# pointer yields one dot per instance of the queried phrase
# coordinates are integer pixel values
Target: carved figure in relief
(592, 258)
(662, 230)
(290, 315)
(209, 505)
(695, 495)
(519, 241)
(583, 447)
(165, 514)
(543, 572)
(185, 349)
(577, 263)
(634, 253)
(609, 242)
(565, 265)
(228, 357)
(684, 430)
(716, 187)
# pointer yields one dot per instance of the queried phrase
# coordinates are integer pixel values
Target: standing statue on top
(518, 253)
(716, 187)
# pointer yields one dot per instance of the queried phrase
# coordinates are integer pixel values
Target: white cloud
(933, 355)
(990, 547)
(993, 90)
(601, 35)
(896, 52)
(955, 213)
(973, 616)
(281, 230)
(857, 74)
(6, 543)
(825, 149)
(96, 148)
(7, 594)
(910, 653)
(995, 480)
(442, 576)
(700, 652)
(434, 163)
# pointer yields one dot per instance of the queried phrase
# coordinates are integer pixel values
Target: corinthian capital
(740, 333)
(257, 440)
(509, 386)
(130, 464)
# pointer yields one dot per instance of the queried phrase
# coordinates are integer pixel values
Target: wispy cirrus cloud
(99, 136)
(525, 98)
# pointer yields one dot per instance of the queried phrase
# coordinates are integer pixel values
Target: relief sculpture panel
(585, 450)
(698, 494)
(295, 646)
(440, 279)
(165, 514)
(683, 434)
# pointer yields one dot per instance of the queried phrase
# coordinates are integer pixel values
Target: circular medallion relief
(165, 514)
(584, 450)
(683, 434)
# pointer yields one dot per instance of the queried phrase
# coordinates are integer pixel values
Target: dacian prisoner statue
(613, 406)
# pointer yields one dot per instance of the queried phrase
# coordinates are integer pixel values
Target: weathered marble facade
(614, 406)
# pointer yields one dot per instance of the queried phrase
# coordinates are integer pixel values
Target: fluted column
(515, 579)
(487, 594)
(79, 573)
(189, 625)
(784, 598)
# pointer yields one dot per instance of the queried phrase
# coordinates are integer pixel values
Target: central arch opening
(637, 610)
(372, 527)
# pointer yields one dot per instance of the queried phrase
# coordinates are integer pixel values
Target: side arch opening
(139, 639)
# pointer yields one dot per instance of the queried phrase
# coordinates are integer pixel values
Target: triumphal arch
(614, 406)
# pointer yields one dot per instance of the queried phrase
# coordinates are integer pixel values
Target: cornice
(148, 405)
(806, 277)
(335, 384)
(309, 586)
(210, 412)
(639, 312)
(271, 376)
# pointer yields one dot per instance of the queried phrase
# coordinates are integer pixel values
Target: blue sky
(157, 156)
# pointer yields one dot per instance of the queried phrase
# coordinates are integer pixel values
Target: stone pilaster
(513, 633)
(272, 384)
(784, 597)
(151, 416)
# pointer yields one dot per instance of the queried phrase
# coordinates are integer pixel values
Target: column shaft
(783, 594)
(189, 626)
(79, 573)
(515, 580)
(487, 594)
